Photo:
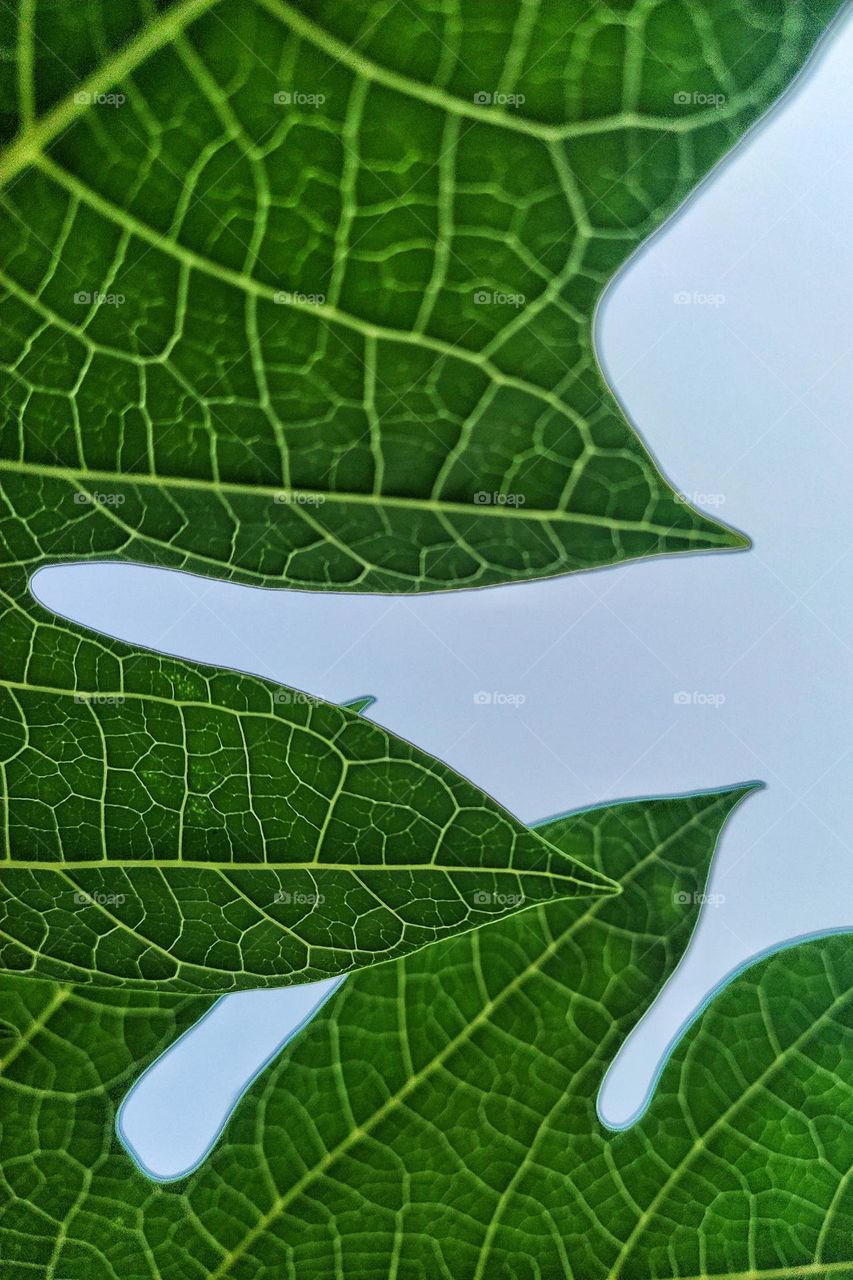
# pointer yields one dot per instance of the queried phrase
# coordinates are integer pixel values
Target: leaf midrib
(397, 1100)
(492, 807)
(462, 1037)
(354, 869)
(23, 1038)
(772, 1273)
(702, 1142)
(82, 476)
(30, 142)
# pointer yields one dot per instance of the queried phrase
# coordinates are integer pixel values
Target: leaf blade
(418, 1050)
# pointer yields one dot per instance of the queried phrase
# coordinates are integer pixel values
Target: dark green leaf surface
(311, 286)
(438, 1118)
(176, 167)
(243, 836)
(175, 391)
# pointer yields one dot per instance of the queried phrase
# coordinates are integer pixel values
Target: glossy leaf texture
(438, 1117)
(226, 834)
(242, 253)
(305, 293)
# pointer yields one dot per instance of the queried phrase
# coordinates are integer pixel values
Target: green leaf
(286, 218)
(222, 848)
(359, 705)
(438, 1118)
(186, 418)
